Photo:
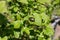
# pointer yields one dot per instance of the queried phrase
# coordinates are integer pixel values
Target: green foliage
(3, 7)
(23, 1)
(16, 24)
(26, 19)
(44, 1)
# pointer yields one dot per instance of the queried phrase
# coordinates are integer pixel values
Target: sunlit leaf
(23, 1)
(0, 38)
(44, 1)
(25, 29)
(37, 19)
(56, 2)
(3, 7)
(16, 34)
(4, 38)
(49, 31)
(41, 37)
(16, 24)
(45, 18)
(9, 0)
(42, 8)
(18, 17)
(16, 9)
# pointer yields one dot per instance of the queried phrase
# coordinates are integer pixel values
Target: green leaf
(26, 18)
(21, 13)
(37, 19)
(45, 18)
(0, 38)
(16, 24)
(18, 17)
(56, 2)
(3, 7)
(16, 9)
(48, 31)
(5, 38)
(25, 29)
(42, 9)
(23, 1)
(16, 34)
(44, 1)
(31, 37)
(41, 37)
(49, 39)
(9, 0)
(31, 0)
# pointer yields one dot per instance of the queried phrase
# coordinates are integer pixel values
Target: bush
(26, 19)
